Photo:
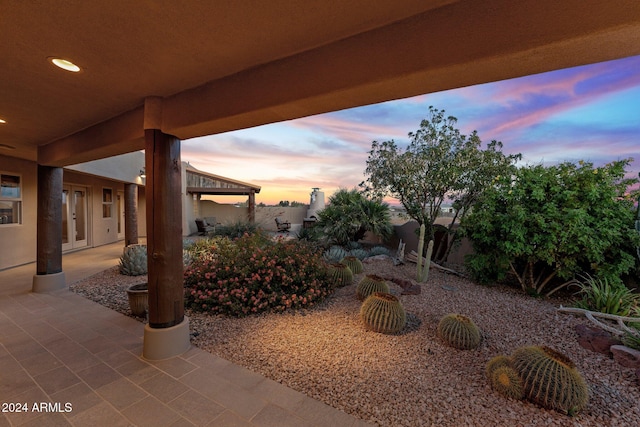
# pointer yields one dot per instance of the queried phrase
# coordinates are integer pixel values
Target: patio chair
(283, 226)
(204, 229)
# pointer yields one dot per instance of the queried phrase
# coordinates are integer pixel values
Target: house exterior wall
(266, 215)
(18, 241)
(229, 214)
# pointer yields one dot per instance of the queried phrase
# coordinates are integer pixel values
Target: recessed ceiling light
(7, 147)
(65, 64)
(3, 121)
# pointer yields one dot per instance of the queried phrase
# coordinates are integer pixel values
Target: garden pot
(138, 299)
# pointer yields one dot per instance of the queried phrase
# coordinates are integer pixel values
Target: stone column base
(48, 282)
(164, 343)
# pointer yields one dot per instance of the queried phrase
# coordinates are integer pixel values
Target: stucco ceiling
(192, 68)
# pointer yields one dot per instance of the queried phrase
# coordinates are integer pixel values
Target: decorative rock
(595, 339)
(409, 287)
(376, 258)
(627, 357)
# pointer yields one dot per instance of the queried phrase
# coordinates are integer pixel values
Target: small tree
(349, 215)
(548, 223)
(438, 163)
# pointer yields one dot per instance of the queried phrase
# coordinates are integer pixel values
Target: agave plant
(133, 261)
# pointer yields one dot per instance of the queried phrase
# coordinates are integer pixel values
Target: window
(107, 202)
(10, 199)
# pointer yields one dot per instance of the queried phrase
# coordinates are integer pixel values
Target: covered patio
(63, 349)
(177, 71)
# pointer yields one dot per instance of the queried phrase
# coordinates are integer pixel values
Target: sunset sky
(589, 113)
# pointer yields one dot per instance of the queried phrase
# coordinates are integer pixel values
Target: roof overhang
(198, 68)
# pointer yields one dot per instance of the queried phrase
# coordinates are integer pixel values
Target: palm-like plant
(349, 215)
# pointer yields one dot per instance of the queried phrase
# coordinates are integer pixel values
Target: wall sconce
(143, 174)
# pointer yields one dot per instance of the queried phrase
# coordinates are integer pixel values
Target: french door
(120, 207)
(74, 217)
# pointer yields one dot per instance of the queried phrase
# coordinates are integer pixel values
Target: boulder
(627, 357)
(595, 339)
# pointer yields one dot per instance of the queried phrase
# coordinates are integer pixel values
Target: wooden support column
(164, 229)
(49, 275)
(252, 206)
(130, 214)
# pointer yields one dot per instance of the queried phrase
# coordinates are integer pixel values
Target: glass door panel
(66, 220)
(80, 217)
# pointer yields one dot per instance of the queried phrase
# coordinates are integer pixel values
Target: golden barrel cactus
(459, 331)
(353, 263)
(550, 379)
(370, 284)
(384, 313)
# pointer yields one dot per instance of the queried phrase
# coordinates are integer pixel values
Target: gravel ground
(410, 379)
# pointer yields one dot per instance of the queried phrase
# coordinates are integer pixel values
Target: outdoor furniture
(283, 226)
(204, 228)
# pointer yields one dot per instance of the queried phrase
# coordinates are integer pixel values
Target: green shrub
(236, 229)
(544, 225)
(349, 215)
(252, 275)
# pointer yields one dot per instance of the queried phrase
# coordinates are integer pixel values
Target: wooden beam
(164, 229)
(130, 214)
(49, 225)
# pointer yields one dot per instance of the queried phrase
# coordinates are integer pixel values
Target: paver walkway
(65, 360)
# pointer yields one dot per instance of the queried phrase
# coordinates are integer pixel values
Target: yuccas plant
(506, 381)
(340, 275)
(459, 331)
(384, 313)
(133, 261)
(370, 284)
(353, 263)
(550, 379)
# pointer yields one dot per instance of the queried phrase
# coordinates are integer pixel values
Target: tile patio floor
(61, 348)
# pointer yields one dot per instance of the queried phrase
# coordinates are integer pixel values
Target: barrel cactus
(133, 261)
(334, 254)
(353, 263)
(370, 284)
(550, 379)
(384, 313)
(497, 362)
(459, 331)
(506, 381)
(340, 275)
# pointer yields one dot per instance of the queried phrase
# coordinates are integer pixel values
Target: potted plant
(138, 299)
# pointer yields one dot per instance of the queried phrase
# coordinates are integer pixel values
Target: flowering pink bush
(252, 274)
